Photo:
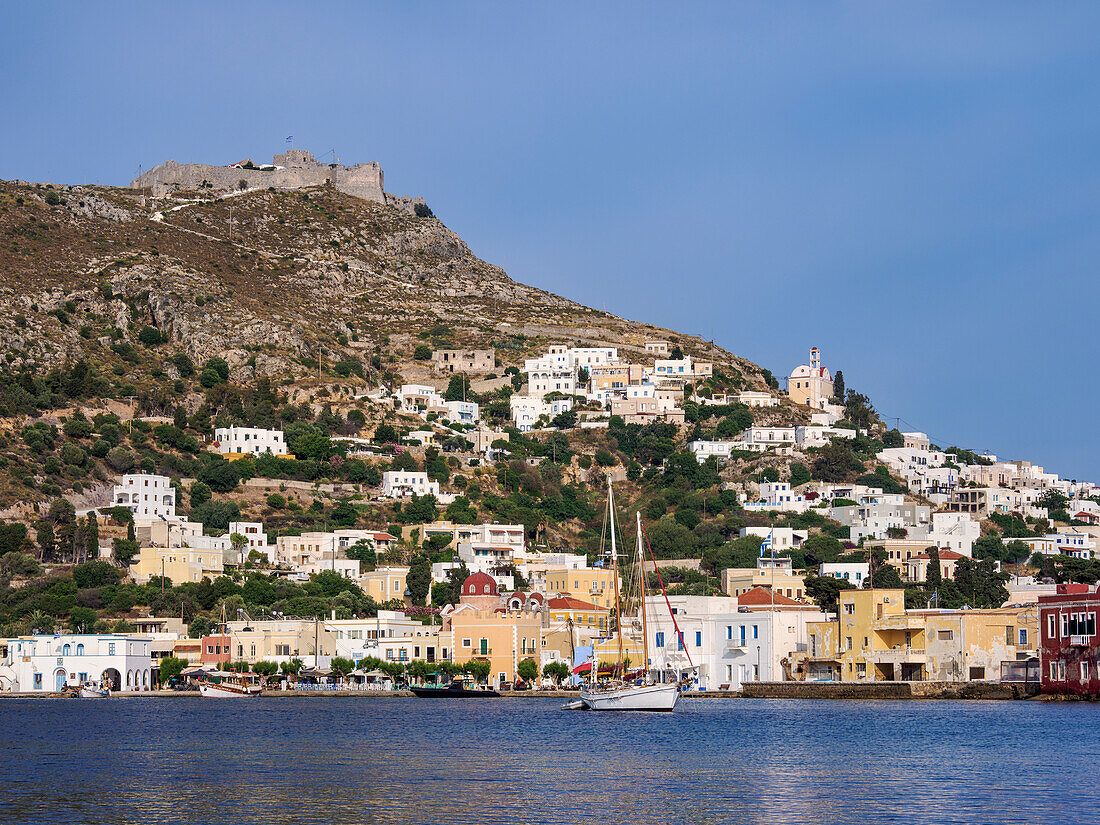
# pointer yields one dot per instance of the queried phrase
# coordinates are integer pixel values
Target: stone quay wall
(889, 690)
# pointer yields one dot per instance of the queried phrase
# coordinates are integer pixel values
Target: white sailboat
(219, 684)
(91, 690)
(642, 693)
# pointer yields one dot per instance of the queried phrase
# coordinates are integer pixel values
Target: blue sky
(913, 189)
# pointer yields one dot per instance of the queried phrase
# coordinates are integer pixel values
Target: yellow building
(584, 615)
(877, 639)
(180, 564)
(811, 384)
(503, 638)
(739, 580)
(594, 584)
(385, 583)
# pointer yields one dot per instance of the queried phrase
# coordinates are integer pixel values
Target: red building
(1070, 649)
(215, 650)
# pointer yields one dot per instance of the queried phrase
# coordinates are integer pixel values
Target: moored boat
(219, 685)
(457, 689)
(91, 690)
(651, 697)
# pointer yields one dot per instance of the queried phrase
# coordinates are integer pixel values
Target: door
(59, 680)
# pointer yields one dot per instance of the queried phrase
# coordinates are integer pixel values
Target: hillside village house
(1070, 647)
(1068, 542)
(526, 410)
(386, 583)
(179, 564)
(449, 361)
(404, 483)
(759, 439)
(917, 566)
(593, 584)
(754, 398)
(777, 495)
(656, 347)
(853, 572)
(811, 384)
(775, 575)
(146, 495)
(235, 442)
(45, 664)
(705, 449)
(684, 369)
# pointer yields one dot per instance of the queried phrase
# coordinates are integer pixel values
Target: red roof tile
(764, 596)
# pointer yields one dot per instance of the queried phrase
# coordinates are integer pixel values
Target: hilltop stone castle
(294, 169)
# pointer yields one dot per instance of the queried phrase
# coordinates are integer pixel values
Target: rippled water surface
(335, 760)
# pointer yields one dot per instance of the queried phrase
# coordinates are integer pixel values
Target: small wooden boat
(91, 690)
(220, 685)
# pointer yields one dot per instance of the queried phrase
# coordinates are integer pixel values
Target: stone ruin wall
(301, 170)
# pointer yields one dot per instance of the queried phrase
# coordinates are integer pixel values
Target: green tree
(858, 410)
(835, 462)
(825, 591)
(422, 352)
(292, 667)
(458, 388)
(557, 672)
(838, 387)
(200, 494)
(169, 668)
(527, 670)
(479, 670)
(95, 574)
(933, 575)
(385, 434)
(265, 668)
(419, 578)
(799, 474)
(341, 666)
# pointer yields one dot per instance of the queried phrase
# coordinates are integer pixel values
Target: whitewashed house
(777, 495)
(853, 572)
(527, 410)
(403, 483)
(249, 441)
(146, 495)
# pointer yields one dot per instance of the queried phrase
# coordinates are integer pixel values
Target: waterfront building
(876, 639)
(501, 637)
(44, 664)
(1070, 650)
(775, 574)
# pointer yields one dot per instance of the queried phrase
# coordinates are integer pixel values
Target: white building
(760, 439)
(783, 538)
(466, 412)
(146, 495)
(854, 572)
(1067, 542)
(527, 410)
(249, 441)
(777, 495)
(402, 483)
(815, 436)
(754, 398)
(719, 449)
(684, 368)
(44, 664)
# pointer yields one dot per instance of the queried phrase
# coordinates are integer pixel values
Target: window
(849, 608)
(1051, 627)
(80, 650)
(111, 649)
(660, 639)
(743, 630)
(945, 635)
(848, 640)
(1061, 671)
(1084, 671)
(1065, 624)
(698, 638)
(756, 631)
(1023, 637)
(729, 632)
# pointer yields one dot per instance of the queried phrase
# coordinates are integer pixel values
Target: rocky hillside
(267, 280)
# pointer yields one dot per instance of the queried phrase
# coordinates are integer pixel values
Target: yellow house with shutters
(876, 639)
(503, 638)
(593, 584)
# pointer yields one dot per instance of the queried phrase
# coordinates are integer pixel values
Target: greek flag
(289, 138)
(766, 545)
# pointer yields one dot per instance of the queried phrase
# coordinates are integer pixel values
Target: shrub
(150, 336)
(422, 352)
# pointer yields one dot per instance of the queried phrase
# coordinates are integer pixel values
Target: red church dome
(479, 584)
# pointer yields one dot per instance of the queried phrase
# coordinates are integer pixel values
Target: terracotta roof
(764, 596)
(569, 603)
(945, 555)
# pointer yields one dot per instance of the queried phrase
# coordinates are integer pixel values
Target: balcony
(1079, 641)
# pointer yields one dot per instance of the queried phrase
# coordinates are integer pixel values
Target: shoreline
(853, 691)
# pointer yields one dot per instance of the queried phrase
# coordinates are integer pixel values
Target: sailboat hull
(229, 691)
(644, 698)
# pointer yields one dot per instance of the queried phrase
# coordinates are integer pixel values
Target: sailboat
(218, 684)
(641, 693)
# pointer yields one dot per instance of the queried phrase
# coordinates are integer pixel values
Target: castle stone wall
(300, 169)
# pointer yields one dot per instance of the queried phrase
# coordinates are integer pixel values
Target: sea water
(346, 760)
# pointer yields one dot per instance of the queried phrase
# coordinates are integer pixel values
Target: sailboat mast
(641, 590)
(615, 572)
